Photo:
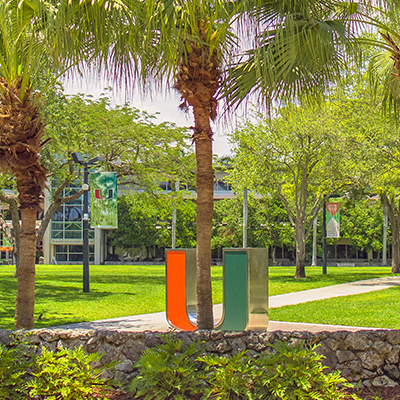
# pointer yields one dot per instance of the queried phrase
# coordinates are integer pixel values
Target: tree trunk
(21, 131)
(14, 236)
(205, 185)
(300, 251)
(395, 244)
(273, 251)
(197, 81)
(394, 217)
(25, 303)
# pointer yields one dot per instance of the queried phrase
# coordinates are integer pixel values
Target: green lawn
(281, 279)
(380, 309)
(136, 289)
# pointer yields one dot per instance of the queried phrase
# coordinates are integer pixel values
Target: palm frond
(302, 49)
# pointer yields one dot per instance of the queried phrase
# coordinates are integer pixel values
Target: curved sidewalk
(158, 322)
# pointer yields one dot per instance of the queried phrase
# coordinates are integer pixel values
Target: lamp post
(324, 255)
(245, 217)
(77, 157)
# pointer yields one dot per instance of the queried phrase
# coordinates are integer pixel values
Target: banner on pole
(332, 220)
(6, 241)
(104, 209)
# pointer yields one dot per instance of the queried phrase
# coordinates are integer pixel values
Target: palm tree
(301, 48)
(196, 38)
(21, 132)
(35, 36)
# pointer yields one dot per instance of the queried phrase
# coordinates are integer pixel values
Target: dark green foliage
(288, 372)
(13, 365)
(168, 371)
(294, 372)
(228, 378)
(67, 375)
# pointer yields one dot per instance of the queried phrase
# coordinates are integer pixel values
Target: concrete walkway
(158, 322)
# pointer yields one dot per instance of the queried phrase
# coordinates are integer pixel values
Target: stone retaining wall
(371, 357)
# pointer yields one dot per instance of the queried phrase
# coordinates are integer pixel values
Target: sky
(165, 104)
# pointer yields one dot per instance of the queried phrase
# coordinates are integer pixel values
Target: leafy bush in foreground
(67, 375)
(168, 371)
(295, 372)
(61, 375)
(289, 372)
(228, 378)
(13, 365)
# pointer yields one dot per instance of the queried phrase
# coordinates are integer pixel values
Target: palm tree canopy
(384, 67)
(299, 49)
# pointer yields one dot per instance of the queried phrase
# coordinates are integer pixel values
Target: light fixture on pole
(78, 158)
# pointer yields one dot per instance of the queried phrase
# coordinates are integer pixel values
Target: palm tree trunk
(25, 302)
(21, 130)
(205, 187)
(197, 81)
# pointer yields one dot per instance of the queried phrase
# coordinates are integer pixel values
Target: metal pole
(85, 223)
(245, 216)
(314, 249)
(385, 229)
(173, 227)
(324, 237)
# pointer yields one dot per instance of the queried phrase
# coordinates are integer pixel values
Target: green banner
(332, 220)
(6, 242)
(103, 188)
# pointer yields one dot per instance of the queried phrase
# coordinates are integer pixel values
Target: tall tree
(22, 50)
(194, 40)
(141, 151)
(35, 36)
(376, 147)
(301, 156)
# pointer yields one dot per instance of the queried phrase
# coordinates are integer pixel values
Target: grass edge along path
(118, 291)
(378, 309)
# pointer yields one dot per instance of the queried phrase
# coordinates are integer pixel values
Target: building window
(220, 185)
(67, 220)
(166, 186)
(71, 253)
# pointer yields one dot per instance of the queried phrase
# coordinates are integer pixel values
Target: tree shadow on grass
(7, 317)
(47, 292)
(110, 279)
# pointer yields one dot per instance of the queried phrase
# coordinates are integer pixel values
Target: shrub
(289, 372)
(168, 371)
(13, 365)
(228, 378)
(294, 372)
(66, 375)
